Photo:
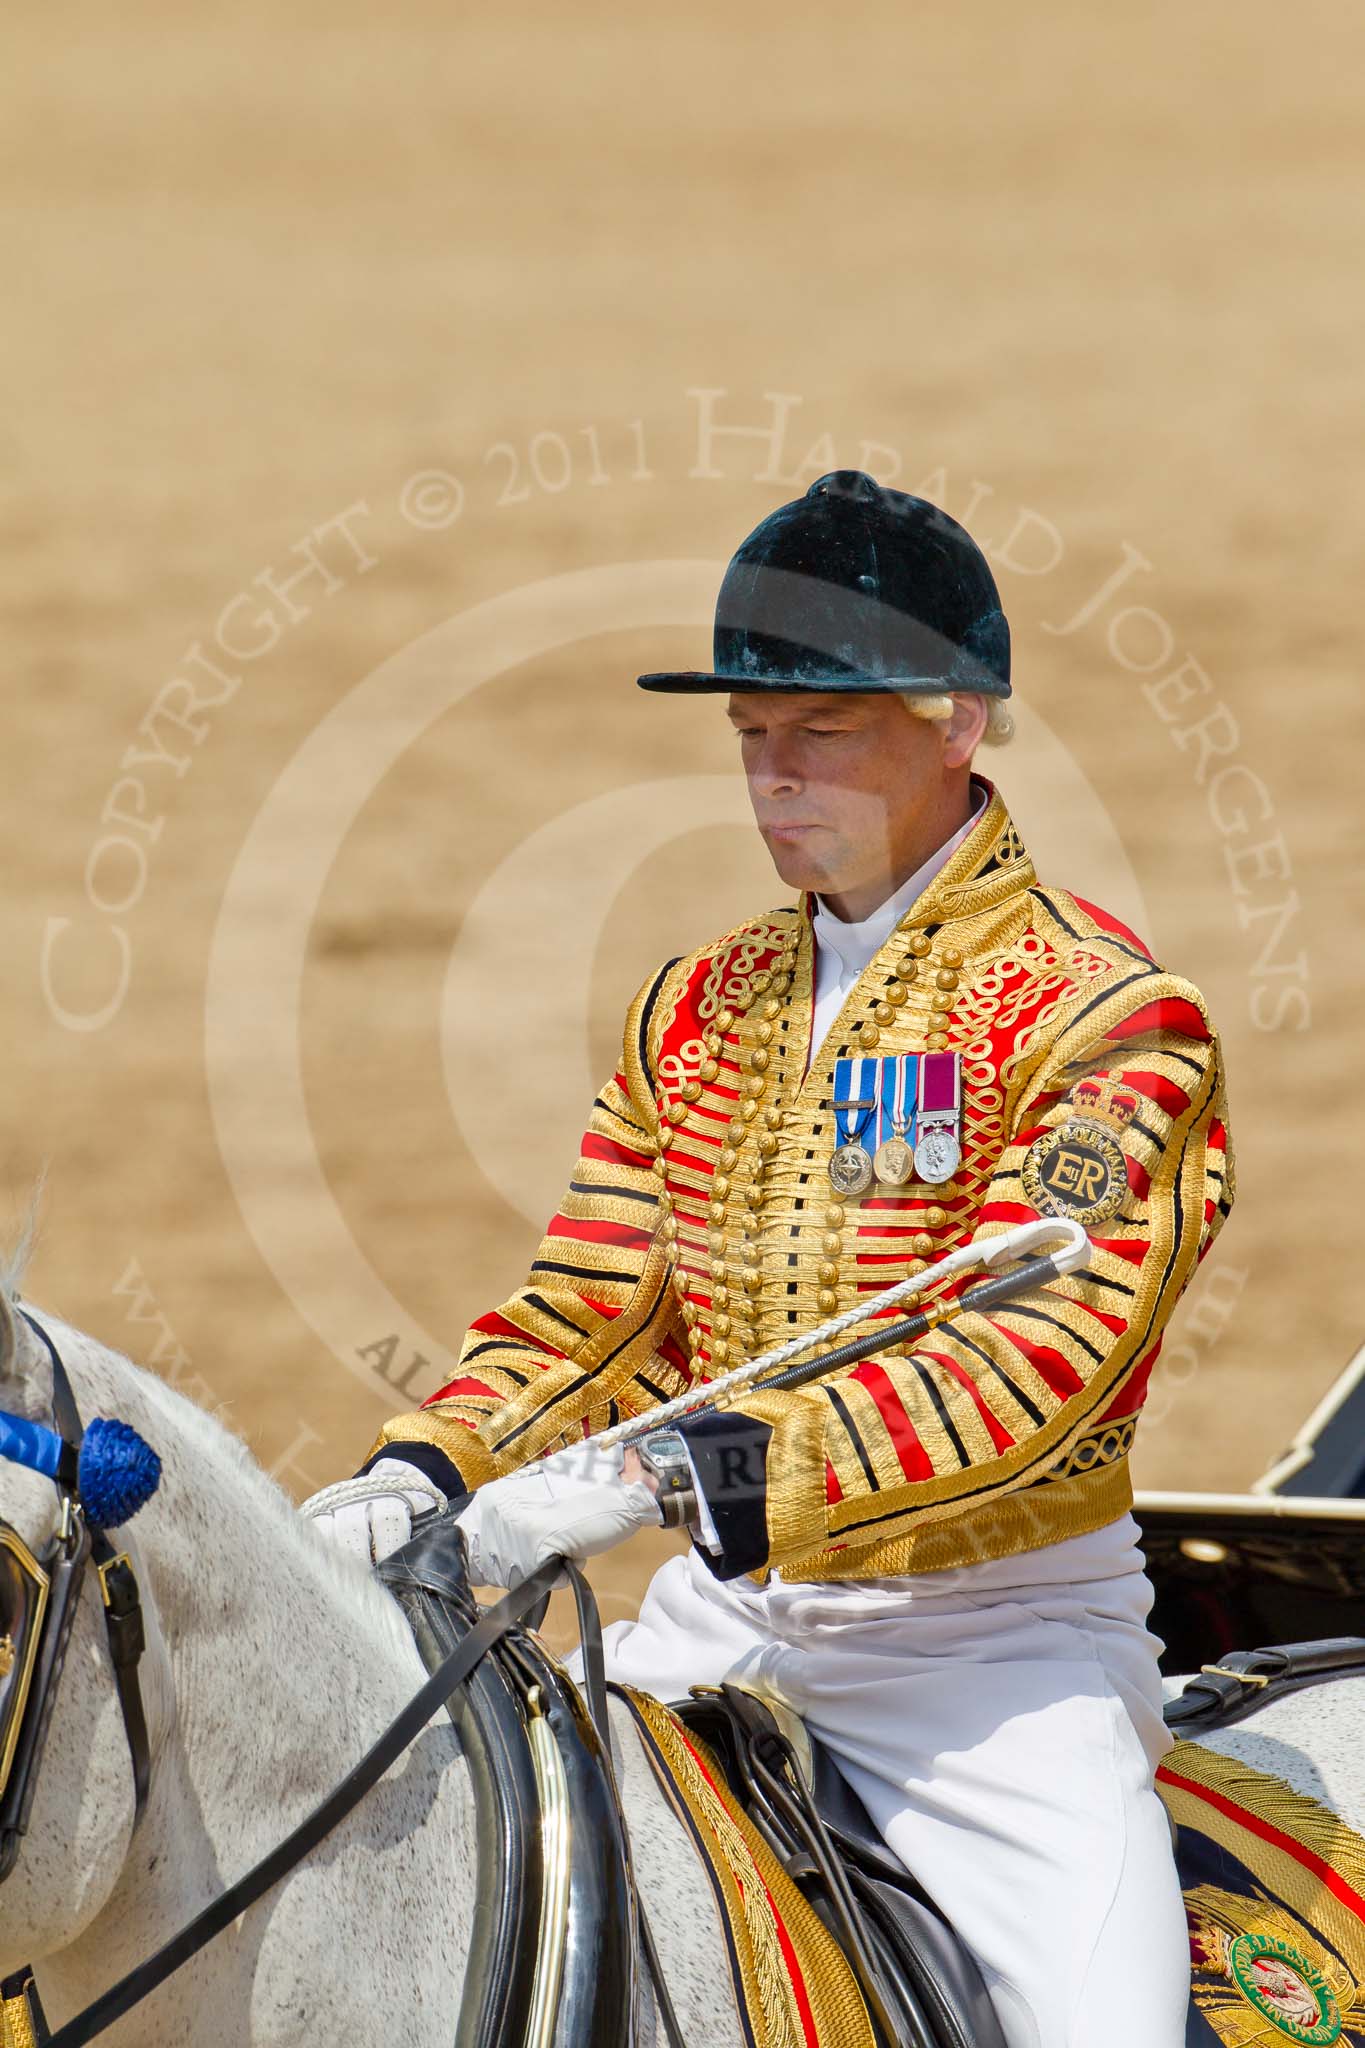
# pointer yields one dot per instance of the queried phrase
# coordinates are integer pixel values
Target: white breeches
(1001, 1722)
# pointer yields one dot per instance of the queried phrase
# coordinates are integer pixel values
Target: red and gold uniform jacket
(700, 1229)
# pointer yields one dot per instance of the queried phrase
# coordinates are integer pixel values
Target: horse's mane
(14, 1258)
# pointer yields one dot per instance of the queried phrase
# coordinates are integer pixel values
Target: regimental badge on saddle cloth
(896, 1120)
(1078, 1169)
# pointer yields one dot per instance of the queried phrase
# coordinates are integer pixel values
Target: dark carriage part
(1327, 1457)
(598, 1991)
(1234, 1569)
(929, 1989)
(1245, 1680)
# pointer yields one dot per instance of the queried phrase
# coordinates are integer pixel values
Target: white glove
(372, 1515)
(574, 1504)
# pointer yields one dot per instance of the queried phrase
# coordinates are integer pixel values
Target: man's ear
(965, 728)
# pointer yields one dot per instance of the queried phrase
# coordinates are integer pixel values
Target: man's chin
(798, 865)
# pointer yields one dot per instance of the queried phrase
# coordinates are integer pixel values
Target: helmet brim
(699, 682)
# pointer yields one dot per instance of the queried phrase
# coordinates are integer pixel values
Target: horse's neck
(284, 1662)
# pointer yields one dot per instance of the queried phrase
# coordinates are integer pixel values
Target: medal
(937, 1155)
(850, 1169)
(850, 1166)
(938, 1150)
(894, 1162)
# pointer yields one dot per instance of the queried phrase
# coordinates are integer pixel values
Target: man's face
(846, 787)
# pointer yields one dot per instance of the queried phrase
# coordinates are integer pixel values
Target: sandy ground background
(304, 995)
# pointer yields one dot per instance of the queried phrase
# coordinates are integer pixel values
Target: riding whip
(1070, 1248)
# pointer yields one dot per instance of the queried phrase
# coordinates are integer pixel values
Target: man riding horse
(929, 1554)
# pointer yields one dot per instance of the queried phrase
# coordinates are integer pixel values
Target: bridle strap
(127, 1640)
(384, 1752)
(119, 1599)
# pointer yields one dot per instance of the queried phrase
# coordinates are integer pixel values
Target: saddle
(557, 1916)
(902, 1949)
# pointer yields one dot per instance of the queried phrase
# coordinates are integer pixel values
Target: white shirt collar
(855, 944)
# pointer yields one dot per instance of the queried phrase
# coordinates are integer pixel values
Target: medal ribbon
(940, 1091)
(900, 1115)
(853, 1083)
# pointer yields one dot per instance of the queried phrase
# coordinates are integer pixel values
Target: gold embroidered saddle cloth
(781, 1835)
(1274, 1886)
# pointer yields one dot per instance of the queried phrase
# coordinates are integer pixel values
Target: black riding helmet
(855, 587)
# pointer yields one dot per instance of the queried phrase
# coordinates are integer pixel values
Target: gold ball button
(720, 1350)
(773, 1118)
(707, 1071)
(759, 1058)
(715, 1243)
(720, 1323)
(728, 1156)
(753, 1195)
(724, 1020)
(760, 983)
(679, 1111)
(691, 1314)
(764, 1034)
(772, 1008)
(936, 1041)
(868, 1033)
(767, 1145)
(751, 1085)
(720, 1188)
(661, 1167)
(748, 1109)
(920, 945)
(935, 1218)
(924, 1245)
(781, 983)
(717, 1269)
(827, 1272)
(750, 1254)
(951, 957)
(945, 979)
(906, 970)
(895, 995)
(914, 1266)
(884, 1013)
(831, 1244)
(690, 1091)
(753, 1282)
(734, 1130)
(941, 1000)
(826, 1301)
(834, 1215)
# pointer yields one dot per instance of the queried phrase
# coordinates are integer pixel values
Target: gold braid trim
(752, 1889)
(626, 1343)
(16, 2023)
(1305, 1821)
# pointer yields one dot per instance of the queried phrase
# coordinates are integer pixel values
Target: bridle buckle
(116, 1597)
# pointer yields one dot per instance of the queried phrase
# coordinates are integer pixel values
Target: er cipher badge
(1079, 1170)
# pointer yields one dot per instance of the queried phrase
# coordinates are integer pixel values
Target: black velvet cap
(855, 587)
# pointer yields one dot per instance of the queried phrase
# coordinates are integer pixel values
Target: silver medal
(937, 1154)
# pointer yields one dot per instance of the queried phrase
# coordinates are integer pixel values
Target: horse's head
(59, 1874)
